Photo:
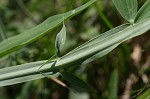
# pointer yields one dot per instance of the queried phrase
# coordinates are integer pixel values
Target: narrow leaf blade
(26, 79)
(101, 53)
(22, 73)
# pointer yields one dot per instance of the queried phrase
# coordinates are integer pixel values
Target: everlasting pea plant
(138, 22)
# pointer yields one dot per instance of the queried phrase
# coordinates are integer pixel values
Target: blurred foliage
(17, 16)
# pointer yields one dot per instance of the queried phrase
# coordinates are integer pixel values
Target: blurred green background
(126, 67)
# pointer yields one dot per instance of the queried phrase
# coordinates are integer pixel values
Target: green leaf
(144, 95)
(22, 73)
(113, 85)
(76, 83)
(25, 79)
(101, 54)
(144, 12)
(101, 37)
(127, 9)
(60, 40)
(16, 42)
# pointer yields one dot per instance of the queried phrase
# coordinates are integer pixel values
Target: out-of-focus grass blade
(144, 12)
(2, 31)
(144, 95)
(127, 9)
(16, 42)
(76, 83)
(26, 89)
(113, 85)
(60, 40)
